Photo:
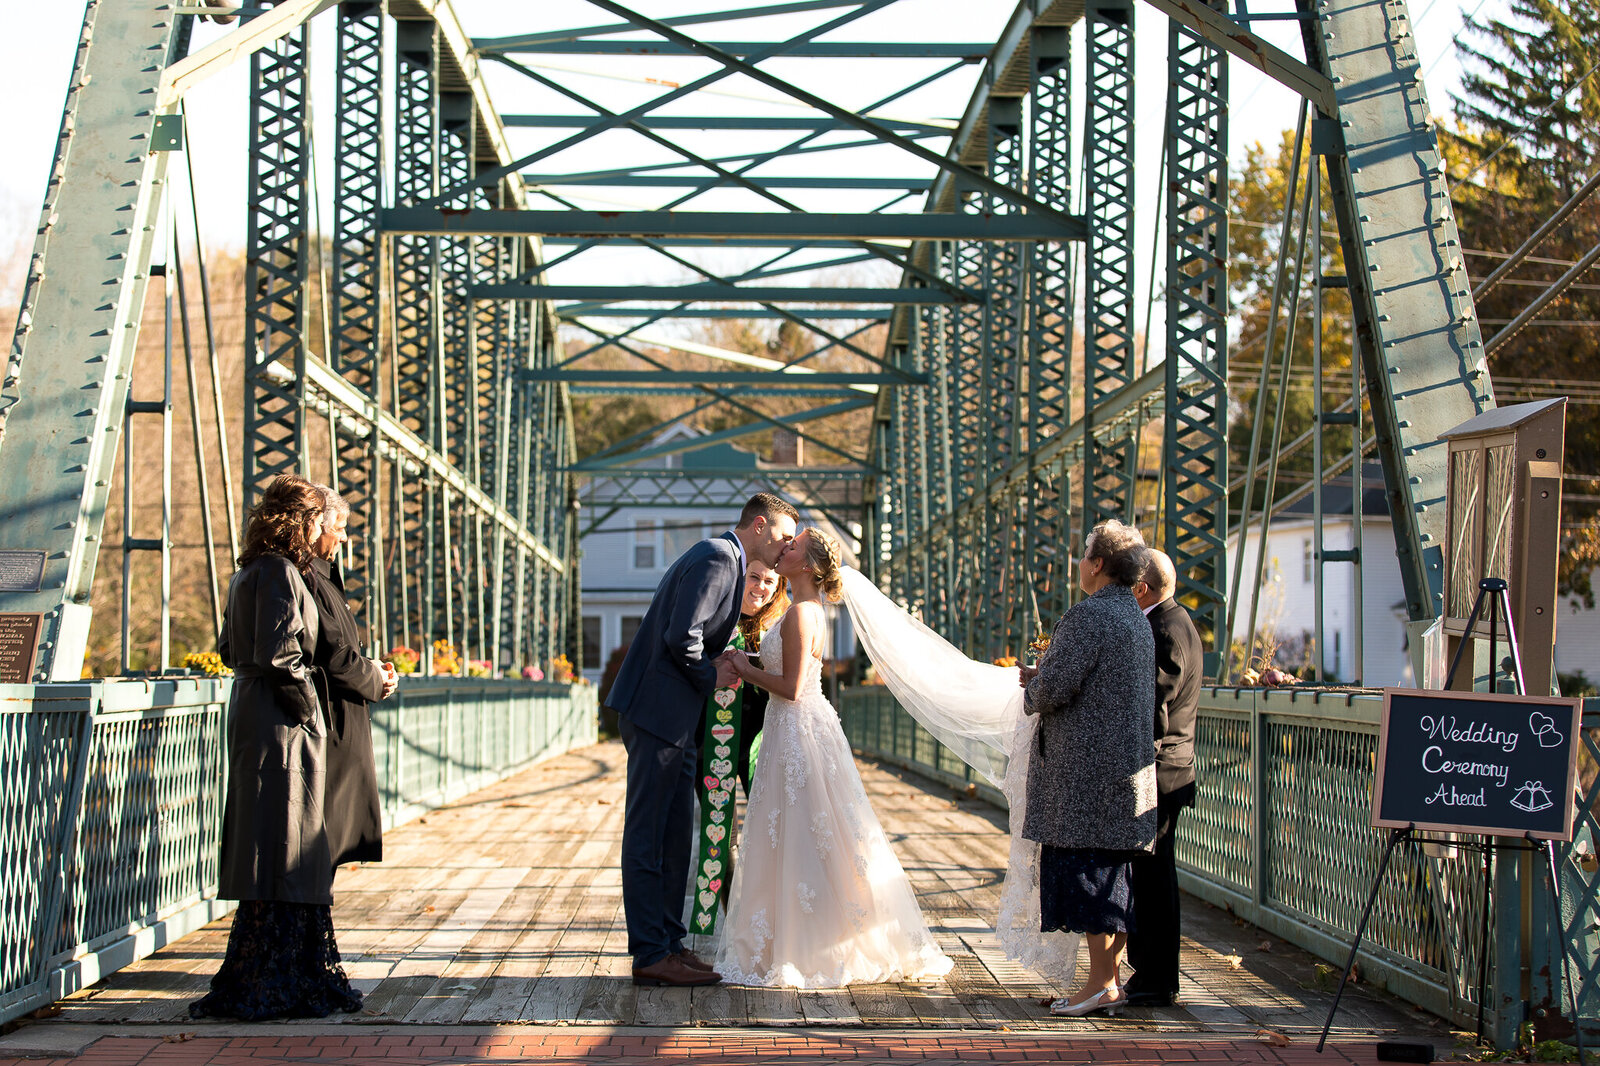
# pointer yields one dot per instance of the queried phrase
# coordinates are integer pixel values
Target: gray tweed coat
(1092, 776)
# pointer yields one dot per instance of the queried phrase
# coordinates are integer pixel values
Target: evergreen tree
(1529, 137)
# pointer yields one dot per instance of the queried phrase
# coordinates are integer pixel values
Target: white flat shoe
(1103, 1000)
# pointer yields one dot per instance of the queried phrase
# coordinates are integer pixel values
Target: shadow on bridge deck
(506, 908)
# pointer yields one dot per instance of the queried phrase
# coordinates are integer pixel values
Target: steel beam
(739, 226)
(276, 261)
(66, 382)
(708, 292)
(798, 383)
(736, 123)
(358, 165)
(971, 52)
(1195, 437)
(1215, 26)
(1416, 327)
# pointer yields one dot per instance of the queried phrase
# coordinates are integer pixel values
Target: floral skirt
(1085, 890)
(281, 962)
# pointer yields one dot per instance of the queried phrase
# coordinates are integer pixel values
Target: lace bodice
(772, 657)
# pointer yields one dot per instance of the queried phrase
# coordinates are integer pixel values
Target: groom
(659, 696)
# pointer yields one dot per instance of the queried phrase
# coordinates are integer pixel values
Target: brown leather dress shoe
(694, 962)
(674, 972)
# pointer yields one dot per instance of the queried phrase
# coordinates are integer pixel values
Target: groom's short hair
(766, 505)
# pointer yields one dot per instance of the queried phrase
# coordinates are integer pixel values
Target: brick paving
(727, 1047)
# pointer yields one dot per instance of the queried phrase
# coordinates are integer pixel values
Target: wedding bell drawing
(1533, 797)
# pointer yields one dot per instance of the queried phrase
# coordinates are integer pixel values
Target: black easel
(1499, 602)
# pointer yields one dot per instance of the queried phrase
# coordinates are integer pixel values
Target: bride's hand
(1026, 674)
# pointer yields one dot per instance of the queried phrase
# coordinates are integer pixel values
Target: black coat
(1179, 663)
(274, 842)
(353, 806)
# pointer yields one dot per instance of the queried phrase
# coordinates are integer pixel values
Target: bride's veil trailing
(975, 710)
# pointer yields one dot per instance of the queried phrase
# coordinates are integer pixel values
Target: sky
(36, 53)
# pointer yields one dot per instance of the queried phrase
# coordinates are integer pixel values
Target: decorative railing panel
(111, 816)
(1281, 836)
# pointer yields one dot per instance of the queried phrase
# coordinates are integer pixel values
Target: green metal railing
(1281, 836)
(112, 806)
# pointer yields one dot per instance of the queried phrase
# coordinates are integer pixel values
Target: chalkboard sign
(1477, 762)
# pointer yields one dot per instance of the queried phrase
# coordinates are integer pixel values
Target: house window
(1308, 559)
(644, 544)
(679, 537)
(591, 642)
(630, 626)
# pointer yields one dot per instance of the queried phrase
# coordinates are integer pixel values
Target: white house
(635, 528)
(1287, 601)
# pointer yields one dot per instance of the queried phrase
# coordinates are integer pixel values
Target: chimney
(787, 448)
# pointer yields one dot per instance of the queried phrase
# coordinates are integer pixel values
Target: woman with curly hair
(281, 959)
(820, 900)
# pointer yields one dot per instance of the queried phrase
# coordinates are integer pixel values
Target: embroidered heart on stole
(709, 782)
(703, 919)
(722, 751)
(723, 733)
(713, 868)
(725, 696)
(702, 882)
(719, 797)
(727, 785)
(716, 886)
(724, 716)
(722, 767)
(707, 899)
(715, 833)
(718, 816)
(713, 852)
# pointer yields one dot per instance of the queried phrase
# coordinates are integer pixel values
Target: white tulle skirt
(819, 899)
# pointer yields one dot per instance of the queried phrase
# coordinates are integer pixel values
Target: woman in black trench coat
(354, 813)
(281, 959)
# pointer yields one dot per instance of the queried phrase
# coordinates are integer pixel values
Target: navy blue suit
(660, 695)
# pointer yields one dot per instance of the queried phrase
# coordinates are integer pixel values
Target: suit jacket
(352, 804)
(1179, 659)
(1091, 775)
(669, 670)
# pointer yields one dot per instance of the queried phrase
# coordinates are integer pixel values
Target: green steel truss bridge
(989, 326)
(419, 320)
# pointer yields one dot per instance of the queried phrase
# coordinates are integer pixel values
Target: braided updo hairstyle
(822, 558)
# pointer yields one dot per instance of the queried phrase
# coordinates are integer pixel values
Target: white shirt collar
(1150, 608)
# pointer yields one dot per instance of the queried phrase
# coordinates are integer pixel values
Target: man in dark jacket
(351, 804)
(1153, 944)
(660, 694)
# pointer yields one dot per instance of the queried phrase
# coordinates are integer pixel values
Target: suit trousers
(1153, 942)
(657, 838)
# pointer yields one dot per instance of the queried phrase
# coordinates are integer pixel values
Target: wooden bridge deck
(505, 907)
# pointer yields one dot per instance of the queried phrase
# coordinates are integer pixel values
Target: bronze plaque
(19, 645)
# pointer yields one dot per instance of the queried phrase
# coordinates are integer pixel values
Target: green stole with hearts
(718, 760)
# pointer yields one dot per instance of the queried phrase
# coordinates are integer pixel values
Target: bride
(975, 709)
(819, 899)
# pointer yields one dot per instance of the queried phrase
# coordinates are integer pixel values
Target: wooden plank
(718, 1005)
(460, 973)
(828, 1007)
(882, 1005)
(773, 1006)
(662, 1007)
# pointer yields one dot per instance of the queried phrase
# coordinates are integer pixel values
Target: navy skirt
(1085, 890)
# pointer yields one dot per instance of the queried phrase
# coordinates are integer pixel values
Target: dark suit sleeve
(347, 668)
(704, 593)
(1171, 661)
(277, 653)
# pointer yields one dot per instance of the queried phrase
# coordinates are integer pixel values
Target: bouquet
(561, 670)
(405, 659)
(479, 667)
(532, 673)
(446, 660)
(208, 663)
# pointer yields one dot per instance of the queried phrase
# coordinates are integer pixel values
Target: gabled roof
(1336, 493)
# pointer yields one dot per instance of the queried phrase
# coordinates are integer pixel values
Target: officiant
(726, 737)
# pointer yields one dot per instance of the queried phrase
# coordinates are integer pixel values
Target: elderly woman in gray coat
(281, 959)
(1091, 778)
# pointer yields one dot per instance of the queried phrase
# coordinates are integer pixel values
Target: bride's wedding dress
(975, 710)
(820, 900)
